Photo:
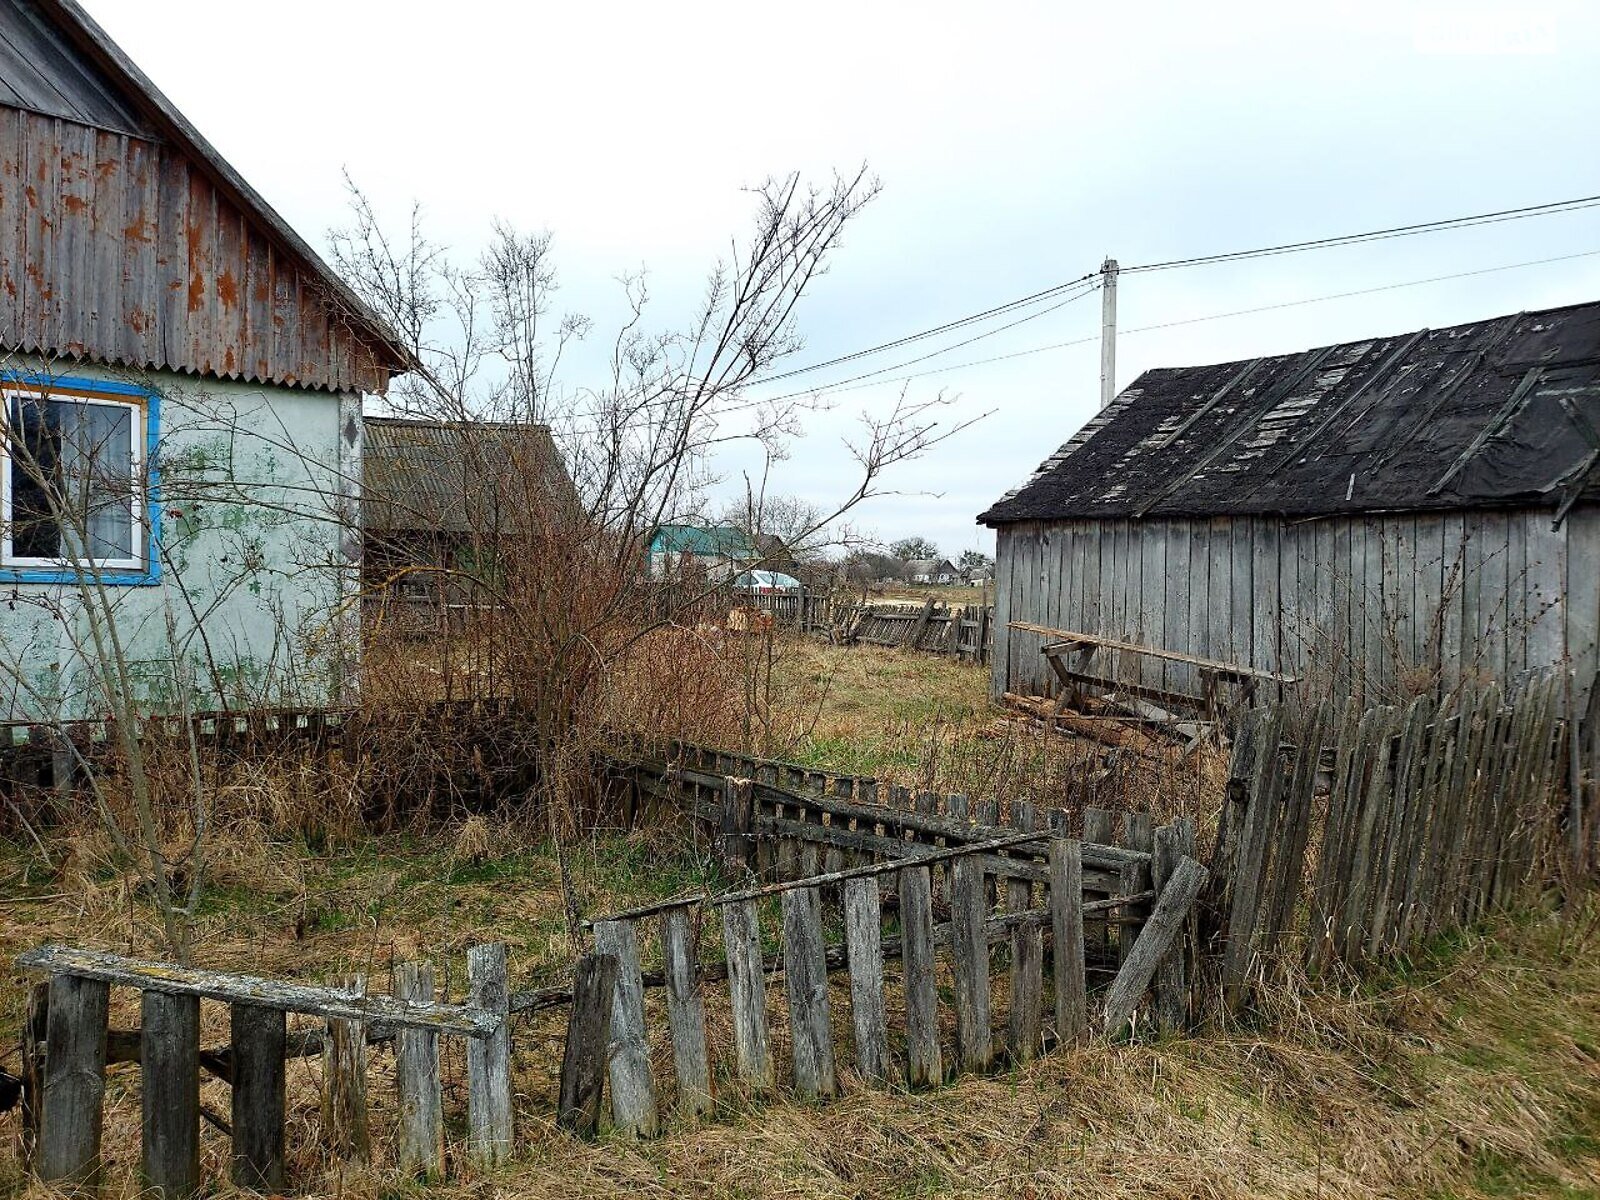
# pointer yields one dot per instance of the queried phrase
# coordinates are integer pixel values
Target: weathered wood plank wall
(1368, 606)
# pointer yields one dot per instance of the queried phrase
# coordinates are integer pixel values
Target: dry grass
(1471, 1072)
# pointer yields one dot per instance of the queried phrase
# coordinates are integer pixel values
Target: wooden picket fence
(1347, 836)
(961, 631)
(1361, 834)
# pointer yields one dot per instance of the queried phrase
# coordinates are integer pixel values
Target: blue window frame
(79, 485)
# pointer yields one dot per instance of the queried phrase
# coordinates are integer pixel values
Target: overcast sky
(1018, 146)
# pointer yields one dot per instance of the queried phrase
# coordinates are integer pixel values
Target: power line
(1550, 208)
(1239, 312)
(1553, 208)
(996, 311)
(1090, 288)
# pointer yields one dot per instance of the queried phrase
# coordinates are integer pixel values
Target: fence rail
(961, 631)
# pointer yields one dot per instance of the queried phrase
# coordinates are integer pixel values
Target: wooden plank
(419, 1143)
(1026, 978)
(1223, 668)
(490, 1128)
(1250, 866)
(863, 917)
(968, 911)
(1172, 843)
(741, 932)
(169, 1093)
(257, 1038)
(686, 1014)
(74, 1081)
(583, 1065)
(1066, 920)
(247, 989)
(1160, 932)
(344, 1084)
(805, 971)
(925, 1065)
(633, 1090)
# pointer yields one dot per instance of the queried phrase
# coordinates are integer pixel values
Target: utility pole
(1108, 331)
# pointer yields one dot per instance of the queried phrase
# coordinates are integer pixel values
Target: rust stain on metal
(227, 289)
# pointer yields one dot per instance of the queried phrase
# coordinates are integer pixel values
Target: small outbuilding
(1377, 518)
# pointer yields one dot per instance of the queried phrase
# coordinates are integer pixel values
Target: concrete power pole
(1108, 331)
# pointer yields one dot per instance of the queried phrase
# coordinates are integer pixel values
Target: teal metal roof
(716, 541)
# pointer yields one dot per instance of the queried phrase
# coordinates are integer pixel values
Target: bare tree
(562, 565)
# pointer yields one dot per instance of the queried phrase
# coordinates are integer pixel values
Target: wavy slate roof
(1498, 412)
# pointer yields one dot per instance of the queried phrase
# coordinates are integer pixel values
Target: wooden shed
(1378, 518)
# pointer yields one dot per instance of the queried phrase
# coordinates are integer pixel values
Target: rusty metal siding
(120, 250)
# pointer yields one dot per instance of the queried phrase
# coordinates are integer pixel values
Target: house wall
(1366, 606)
(256, 551)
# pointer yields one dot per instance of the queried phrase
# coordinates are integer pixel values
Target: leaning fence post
(924, 1064)
(583, 1066)
(633, 1089)
(1027, 976)
(863, 933)
(169, 1086)
(489, 1123)
(805, 972)
(1156, 938)
(1066, 919)
(74, 1081)
(686, 1013)
(741, 939)
(416, 1078)
(257, 1036)
(970, 944)
(344, 1098)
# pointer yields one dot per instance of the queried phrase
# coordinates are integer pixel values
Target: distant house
(719, 552)
(443, 505)
(1377, 518)
(181, 381)
(931, 571)
(765, 583)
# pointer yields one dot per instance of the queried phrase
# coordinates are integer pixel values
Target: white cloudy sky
(1018, 145)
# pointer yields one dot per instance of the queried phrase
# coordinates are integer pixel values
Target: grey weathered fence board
(924, 1063)
(583, 1064)
(633, 1089)
(741, 935)
(969, 941)
(269, 993)
(490, 1121)
(1066, 917)
(1026, 978)
(169, 1089)
(805, 972)
(344, 1084)
(257, 1038)
(420, 1137)
(686, 1014)
(74, 1082)
(863, 928)
(1172, 844)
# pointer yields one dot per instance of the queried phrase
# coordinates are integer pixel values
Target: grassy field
(1472, 1071)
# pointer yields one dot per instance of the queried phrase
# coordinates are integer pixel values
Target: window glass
(72, 479)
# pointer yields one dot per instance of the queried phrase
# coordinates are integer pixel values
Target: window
(74, 486)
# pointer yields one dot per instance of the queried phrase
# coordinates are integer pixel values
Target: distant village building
(181, 379)
(931, 571)
(1378, 518)
(719, 552)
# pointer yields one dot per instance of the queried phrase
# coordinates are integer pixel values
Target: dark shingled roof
(459, 477)
(1498, 412)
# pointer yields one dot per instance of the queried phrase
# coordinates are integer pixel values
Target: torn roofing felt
(1493, 413)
